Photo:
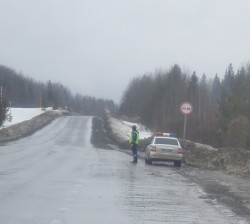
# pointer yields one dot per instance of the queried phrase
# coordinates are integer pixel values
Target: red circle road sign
(186, 108)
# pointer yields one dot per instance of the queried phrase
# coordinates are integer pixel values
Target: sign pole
(185, 124)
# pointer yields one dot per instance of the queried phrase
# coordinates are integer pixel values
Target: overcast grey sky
(95, 47)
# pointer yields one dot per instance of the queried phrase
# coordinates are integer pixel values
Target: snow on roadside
(22, 114)
(122, 129)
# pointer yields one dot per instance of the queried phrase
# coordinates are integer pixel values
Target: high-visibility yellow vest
(137, 137)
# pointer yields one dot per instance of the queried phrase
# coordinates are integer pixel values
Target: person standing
(134, 141)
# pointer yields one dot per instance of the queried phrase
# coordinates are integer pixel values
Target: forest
(221, 108)
(18, 90)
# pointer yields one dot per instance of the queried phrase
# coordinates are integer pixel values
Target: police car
(164, 147)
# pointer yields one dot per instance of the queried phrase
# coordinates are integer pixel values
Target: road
(56, 176)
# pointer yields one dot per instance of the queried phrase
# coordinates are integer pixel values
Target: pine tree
(4, 109)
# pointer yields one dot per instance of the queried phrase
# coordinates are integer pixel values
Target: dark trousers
(134, 152)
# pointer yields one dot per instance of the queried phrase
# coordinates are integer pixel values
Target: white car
(164, 147)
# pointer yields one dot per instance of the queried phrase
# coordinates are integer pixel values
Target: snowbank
(22, 114)
(122, 129)
(26, 121)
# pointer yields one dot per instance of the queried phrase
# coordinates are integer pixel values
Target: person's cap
(133, 127)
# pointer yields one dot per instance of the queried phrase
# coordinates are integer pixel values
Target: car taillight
(153, 149)
(180, 150)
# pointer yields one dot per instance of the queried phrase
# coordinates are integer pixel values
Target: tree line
(19, 90)
(221, 108)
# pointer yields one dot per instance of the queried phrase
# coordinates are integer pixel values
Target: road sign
(186, 108)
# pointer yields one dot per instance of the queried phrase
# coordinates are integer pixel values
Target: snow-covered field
(22, 114)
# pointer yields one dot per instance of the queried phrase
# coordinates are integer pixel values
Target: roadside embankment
(28, 127)
(231, 160)
(119, 132)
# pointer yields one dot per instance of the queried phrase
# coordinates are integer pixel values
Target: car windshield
(166, 141)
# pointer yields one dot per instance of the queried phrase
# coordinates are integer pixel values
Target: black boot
(135, 159)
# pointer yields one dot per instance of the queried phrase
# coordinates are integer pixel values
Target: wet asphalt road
(56, 177)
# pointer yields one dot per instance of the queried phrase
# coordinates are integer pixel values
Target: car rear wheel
(177, 163)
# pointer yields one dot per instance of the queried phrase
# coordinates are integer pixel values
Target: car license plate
(167, 150)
